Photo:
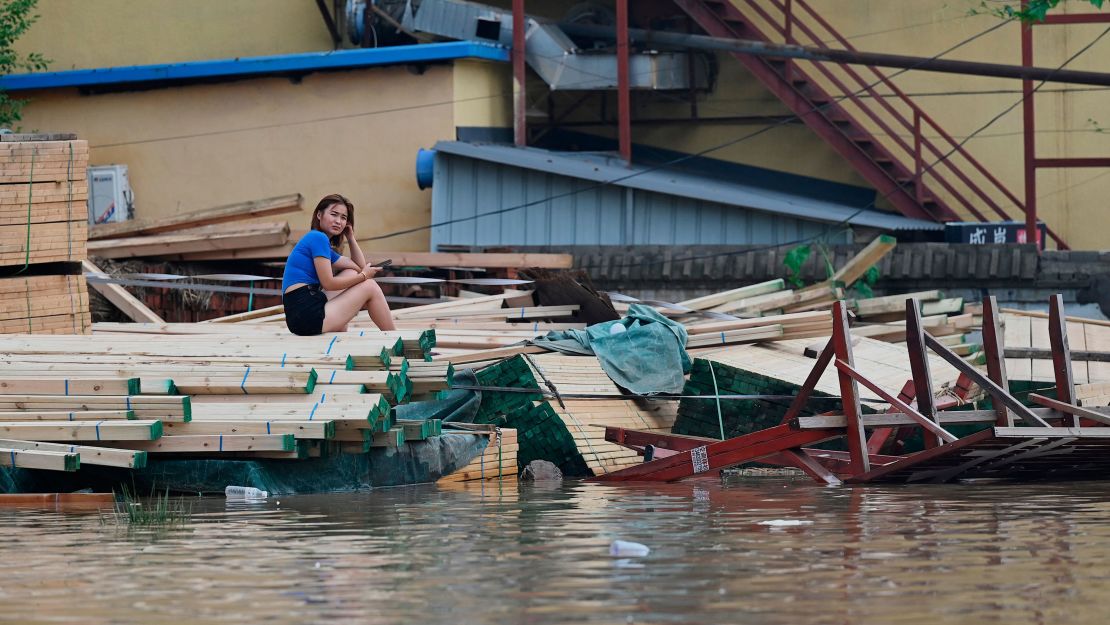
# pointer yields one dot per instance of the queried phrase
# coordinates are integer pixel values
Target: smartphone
(385, 263)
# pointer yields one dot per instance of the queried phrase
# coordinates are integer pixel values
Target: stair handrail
(918, 111)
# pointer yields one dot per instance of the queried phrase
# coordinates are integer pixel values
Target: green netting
(412, 463)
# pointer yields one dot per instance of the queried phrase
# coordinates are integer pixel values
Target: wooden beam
(137, 430)
(100, 456)
(1070, 409)
(33, 459)
(220, 214)
(69, 386)
(867, 257)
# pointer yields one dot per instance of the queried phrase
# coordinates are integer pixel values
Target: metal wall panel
(569, 211)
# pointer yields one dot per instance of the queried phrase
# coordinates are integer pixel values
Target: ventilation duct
(548, 50)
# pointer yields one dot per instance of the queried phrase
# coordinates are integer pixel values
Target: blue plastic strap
(12, 452)
(522, 312)
(323, 397)
(243, 384)
(267, 427)
(722, 337)
(67, 386)
(71, 416)
(98, 429)
(128, 401)
(221, 442)
(535, 326)
(330, 345)
(332, 379)
(361, 332)
(313, 413)
(283, 360)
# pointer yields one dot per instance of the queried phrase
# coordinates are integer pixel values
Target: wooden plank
(717, 299)
(65, 415)
(34, 459)
(215, 238)
(867, 257)
(212, 443)
(137, 430)
(69, 386)
(231, 212)
(121, 298)
(100, 456)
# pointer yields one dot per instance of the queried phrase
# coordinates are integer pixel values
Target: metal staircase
(862, 115)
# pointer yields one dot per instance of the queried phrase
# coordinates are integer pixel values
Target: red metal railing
(960, 181)
(951, 145)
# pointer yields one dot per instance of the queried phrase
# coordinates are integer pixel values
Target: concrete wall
(198, 146)
(81, 34)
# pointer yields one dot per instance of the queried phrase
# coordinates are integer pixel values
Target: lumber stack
(498, 460)
(43, 195)
(43, 220)
(116, 397)
(1027, 349)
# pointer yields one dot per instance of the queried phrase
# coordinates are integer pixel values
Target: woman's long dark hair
(337, 240)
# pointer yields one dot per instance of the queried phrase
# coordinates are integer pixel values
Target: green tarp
(644, 352)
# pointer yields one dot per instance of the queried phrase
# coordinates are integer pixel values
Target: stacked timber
(115, 398)
(498, 461)
(1029, 360)
(43, 224)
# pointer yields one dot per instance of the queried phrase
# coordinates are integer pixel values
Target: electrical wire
(873, 202)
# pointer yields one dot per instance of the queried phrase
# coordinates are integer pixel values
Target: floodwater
(752, 551)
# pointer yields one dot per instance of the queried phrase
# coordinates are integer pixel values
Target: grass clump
(156, 511)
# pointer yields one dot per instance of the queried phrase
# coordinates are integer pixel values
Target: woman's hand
(349, 233)
(370, 271)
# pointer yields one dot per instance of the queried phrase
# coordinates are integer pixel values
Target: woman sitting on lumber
(322, 290)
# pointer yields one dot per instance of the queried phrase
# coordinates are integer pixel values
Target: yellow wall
(81, 34)
(199, 146)
(483, 94)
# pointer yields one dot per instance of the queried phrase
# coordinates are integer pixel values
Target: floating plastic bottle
(244, 492)
(626, 549)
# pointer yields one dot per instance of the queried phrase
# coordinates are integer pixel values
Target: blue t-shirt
(299, 268)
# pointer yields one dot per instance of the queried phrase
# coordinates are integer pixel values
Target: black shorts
(304, 310)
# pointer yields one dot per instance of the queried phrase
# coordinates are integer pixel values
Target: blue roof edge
(253, 66)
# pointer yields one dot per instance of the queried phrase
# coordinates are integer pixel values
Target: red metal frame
(874, 157)
(624, 94)
(786, 444)
(520, 102)
(1029, 120)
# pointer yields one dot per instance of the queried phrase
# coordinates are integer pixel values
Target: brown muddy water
(753, 551)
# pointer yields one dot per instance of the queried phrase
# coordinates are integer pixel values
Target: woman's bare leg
(340, 309)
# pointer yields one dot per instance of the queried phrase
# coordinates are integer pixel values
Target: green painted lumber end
(349, 363)
(399, 347)
(130, 414)
(133, 386)
(329, 429)
(288, 442)
(72, 462)
(155, 430)
(313, 377)
(187, 407)
(138, 460)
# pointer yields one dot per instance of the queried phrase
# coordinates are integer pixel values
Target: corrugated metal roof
(603, 167)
